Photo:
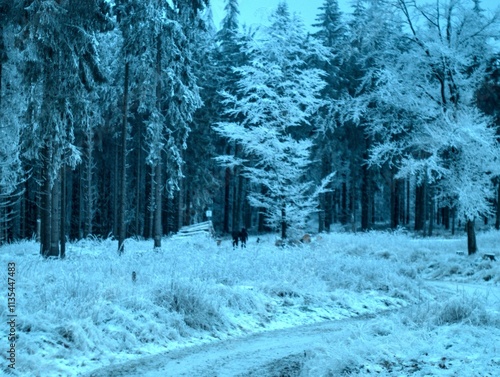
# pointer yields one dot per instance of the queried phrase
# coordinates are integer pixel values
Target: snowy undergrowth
(457, 337)
(77, 314)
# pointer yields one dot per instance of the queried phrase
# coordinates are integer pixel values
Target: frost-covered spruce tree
(423, 110)
(332, 33)
(157, 51)
(59, 55)
(12, 106)
(277, 94)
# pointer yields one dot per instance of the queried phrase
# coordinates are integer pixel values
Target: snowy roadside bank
(87, 312)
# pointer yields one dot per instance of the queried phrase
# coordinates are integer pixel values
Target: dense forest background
(135, 117)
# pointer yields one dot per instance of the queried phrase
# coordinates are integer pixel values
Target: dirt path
(273, 353)
(248, 356)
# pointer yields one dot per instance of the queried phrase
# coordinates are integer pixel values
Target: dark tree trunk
(158, 183)
(497, 219)
(445, 216)
(471, 237)
(453, 217)
(431, 214)
(238, 201)
(395, 204)
(46, 204)
(227, 191)
(89, 194)
(408, 197)
(151, 211)
(123, 164)
(344, 212)
(63, 212)
(283, 222)
(365, 198)
(139, 189)
(56, 218)
(262, 213)
(419, 207)
(158, 224)
(321, 213)
(187, 210)
(328, 210)
(180, 204)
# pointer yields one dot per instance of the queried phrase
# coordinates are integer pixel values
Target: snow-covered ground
(436, 309)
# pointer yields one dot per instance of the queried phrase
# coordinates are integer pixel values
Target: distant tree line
(135, 117)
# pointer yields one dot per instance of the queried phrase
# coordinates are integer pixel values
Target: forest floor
(346, 304)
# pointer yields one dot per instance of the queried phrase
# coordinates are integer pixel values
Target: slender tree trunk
(63, 212)
(419, 207)
(425, 206)
(139, 188)
(227, 191)
(115, 187)
(453, 217)
(283, 221)
(239, 202)
(56, 218)
(187, 212)
(408, 199)
(158, 224)
(446, 217)
(321, 213)
(262, 213)
(395, 204)
(497, 219)
(431, 213)
(365, 198)
(123, 165)
(81, 205)
(344, 212)
(89, 200)
(180, 204)
(471, 237)
(45, 203)
(158, 228)
(151, 206)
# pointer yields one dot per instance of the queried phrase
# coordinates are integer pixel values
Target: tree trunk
(139, 189)
(46, 203)
(89, 200)
(445, 216)
(283, 222)
(471, 237)
(151, 206)
(431, 214)
(158, 227)
(227, 191)
(158, 224)
(395, 204)
(408, 197)
(344, 212)
(419, 207)
(123, 164)
(63, 212)
(180, 204)
(321, 213)
(238, 215)
(365, 197)
(453, 217)
(497, 219)
(56, 218)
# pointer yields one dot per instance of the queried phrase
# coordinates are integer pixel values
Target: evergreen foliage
(113, 116)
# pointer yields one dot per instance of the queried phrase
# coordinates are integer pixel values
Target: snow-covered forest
(361, 153)
(133, 118)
